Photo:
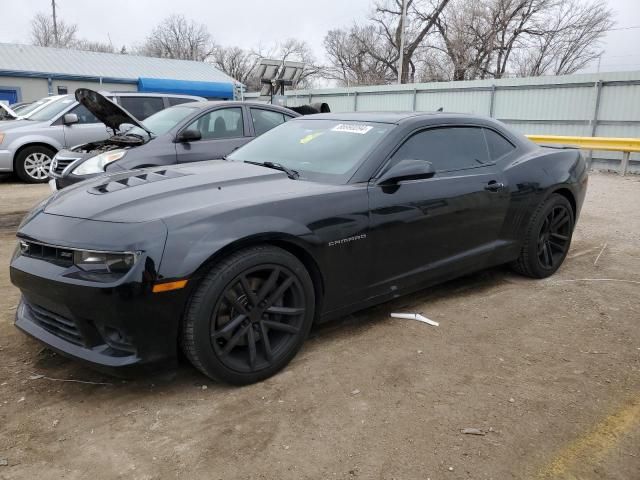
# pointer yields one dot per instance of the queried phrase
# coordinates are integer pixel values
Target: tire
(238, 304)
(32, 164)
(547, 239)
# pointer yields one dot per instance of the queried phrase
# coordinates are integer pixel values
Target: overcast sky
(249, 23)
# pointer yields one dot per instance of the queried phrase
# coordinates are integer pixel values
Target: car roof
(235, 103)
(389, 117)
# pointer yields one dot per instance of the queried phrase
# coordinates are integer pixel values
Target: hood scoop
(135, 180)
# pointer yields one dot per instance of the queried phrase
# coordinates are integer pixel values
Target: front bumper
(6, 161)
(118, 326)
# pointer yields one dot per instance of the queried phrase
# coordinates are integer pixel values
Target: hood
(163, 192)
(109, 113)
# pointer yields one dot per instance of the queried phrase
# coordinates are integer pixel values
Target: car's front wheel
(32, 164)
(249, 316)
(547, 238)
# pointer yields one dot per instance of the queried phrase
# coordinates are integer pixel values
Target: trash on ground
(415, 316)
(472, 431)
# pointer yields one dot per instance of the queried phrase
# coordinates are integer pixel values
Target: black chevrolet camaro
(234, 260)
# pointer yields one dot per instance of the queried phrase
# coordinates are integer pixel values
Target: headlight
(99, 162)
(104, 262)
(1, 137)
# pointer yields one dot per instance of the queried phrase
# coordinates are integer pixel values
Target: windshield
(53, 109)
(27, 109)
(22, 108)
(163, 121)
(321, 150)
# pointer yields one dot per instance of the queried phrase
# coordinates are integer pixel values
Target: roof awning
(210, 90)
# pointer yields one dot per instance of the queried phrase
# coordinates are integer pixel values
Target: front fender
(27, 140)
(193, 244)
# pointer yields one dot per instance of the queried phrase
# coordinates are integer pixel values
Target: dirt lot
(548, 371)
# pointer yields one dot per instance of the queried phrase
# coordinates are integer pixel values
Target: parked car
(7, 113)
(185, 133)
(321, 216)
(24, 110)
(28, 145)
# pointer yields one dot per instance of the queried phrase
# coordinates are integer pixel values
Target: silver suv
(27, 146)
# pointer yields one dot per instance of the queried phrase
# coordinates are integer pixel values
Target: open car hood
(109, 113)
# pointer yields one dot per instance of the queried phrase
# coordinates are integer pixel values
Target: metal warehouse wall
(31, 89)
(603, 104)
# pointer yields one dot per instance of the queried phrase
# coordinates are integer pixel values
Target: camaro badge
(347, 240)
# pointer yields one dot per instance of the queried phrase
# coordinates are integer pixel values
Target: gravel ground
(547, 372)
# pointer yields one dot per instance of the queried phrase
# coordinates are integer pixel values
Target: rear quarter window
(497, 144)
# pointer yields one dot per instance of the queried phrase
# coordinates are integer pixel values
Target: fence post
(492, 100)
(624, 165)
(355, 101)
(594, 120)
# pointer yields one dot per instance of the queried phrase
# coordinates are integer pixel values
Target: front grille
(60, 163)
(58, 255)
(59, 326)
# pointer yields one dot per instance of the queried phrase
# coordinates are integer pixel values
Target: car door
(443, 226)
(87, 129)
(222, 131)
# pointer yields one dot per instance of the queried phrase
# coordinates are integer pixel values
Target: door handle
(494, 186)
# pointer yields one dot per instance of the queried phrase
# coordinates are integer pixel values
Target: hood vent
(135, 180)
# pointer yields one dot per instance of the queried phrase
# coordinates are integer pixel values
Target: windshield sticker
(351, 128)
(310, 137)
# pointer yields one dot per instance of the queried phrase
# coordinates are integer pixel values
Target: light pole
(55, 24)
(402, 29)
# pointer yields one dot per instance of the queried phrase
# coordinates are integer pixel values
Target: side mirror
(190, 135)
(407, 170)
(70, 118)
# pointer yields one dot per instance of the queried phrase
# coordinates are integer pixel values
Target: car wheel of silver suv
(32, 164)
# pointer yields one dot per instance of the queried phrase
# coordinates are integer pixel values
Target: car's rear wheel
(547, 239)
(249, 316)
(32, 164)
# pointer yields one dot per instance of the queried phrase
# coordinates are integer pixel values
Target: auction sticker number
(352, 128)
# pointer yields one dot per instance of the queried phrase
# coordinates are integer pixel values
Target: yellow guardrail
(611, 144)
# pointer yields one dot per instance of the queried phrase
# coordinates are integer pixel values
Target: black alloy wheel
(547, 238)
(249, 316)
(553, 240)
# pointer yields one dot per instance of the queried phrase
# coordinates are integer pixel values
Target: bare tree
(42, 32)
(299, 51)
(421, 18)
(350, 62)
(467, 37)
(569, 40)
(93, 46)
(177, 37)
(236, 62)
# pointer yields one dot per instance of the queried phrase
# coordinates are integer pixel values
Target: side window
(142, 107)
(498, 145)
(265, 120)
(447, 148)
(84, 115)
(221, 123)
(179, 100)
